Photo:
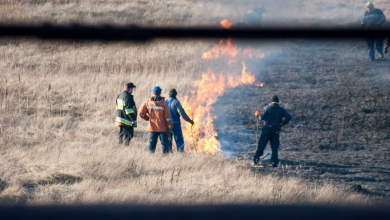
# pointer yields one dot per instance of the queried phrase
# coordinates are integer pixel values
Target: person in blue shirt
(373, 19)
(176, 111)
(273, 116)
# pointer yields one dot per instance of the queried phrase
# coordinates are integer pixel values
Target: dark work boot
(127, 141)
(256, 161)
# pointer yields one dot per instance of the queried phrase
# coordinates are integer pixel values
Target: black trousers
(387, 42)
(126, 134)
(270, 134)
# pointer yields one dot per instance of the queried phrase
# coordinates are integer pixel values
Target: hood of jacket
(157, 100)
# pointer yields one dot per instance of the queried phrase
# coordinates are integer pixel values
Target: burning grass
(58, 139)
(207, 90)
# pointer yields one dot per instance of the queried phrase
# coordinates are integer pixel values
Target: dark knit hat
(172, 93)
(157, 90)
(274, 99)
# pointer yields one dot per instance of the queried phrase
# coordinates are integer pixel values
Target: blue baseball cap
(157, 90)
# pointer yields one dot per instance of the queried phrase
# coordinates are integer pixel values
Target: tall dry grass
(58, 139)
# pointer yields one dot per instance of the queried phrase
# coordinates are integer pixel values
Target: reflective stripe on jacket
(156, 111)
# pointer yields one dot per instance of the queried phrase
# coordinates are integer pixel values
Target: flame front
(261, 84)
(231, 53)
(202, 136)
(226, 24)
(222, 50)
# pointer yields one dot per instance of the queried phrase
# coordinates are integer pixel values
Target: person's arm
(363, 23)
(263, 114)
(167, 116)
(287, 117)
(383, 18)
(181, 112)
(142, 112)
(119, 105)
(131, 110)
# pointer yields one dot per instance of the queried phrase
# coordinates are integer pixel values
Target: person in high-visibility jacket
(126, 117)
(176, 111)
(156, 111)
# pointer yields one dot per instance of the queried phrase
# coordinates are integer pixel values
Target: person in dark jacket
(126, 118)
(373, 19)
(273, 116)
(176, 111)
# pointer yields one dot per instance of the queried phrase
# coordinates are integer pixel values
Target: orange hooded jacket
(156, 111)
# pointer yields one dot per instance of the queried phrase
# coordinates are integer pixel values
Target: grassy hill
(59, 143)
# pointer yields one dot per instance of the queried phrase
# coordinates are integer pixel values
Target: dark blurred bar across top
(137, 33)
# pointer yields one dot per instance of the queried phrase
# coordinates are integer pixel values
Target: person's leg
(129, 134)
(264, 137)
(170, 142)
(120, 136)
(153, 141)
(386, 47)
(370, 48)
(379, 46)
(275, 146)
(178, 134)
(164, 142)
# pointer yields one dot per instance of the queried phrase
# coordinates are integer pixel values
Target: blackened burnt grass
(340, 106)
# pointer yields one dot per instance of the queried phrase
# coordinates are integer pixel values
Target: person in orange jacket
(156, 110)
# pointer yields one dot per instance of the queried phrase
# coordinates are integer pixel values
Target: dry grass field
(58, 142)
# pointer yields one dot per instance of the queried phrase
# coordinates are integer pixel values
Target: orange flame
(226, 24)
(249, 53)
(227, 51)
(260, 84)
(202, 136)
(208, 89)
(231, 53)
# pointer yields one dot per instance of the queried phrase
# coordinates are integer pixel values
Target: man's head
(274, 99)
(370, 7)
(172, 93)
(129, 87)
(157, 90)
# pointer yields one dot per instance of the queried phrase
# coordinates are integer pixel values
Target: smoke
(313, 13)
(235, 121)
(235, 124)
(297, 13)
